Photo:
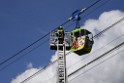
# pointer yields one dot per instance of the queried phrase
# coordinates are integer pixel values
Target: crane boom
(62, 73)
(61, 41)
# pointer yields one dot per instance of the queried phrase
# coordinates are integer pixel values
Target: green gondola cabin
(82, 41)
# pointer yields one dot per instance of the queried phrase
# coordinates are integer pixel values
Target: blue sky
(24, 21)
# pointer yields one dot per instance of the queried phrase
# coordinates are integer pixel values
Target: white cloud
(24, 75)
(30, 65)
(111, 71)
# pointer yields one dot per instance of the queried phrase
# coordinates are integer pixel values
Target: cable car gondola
(82, 41)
